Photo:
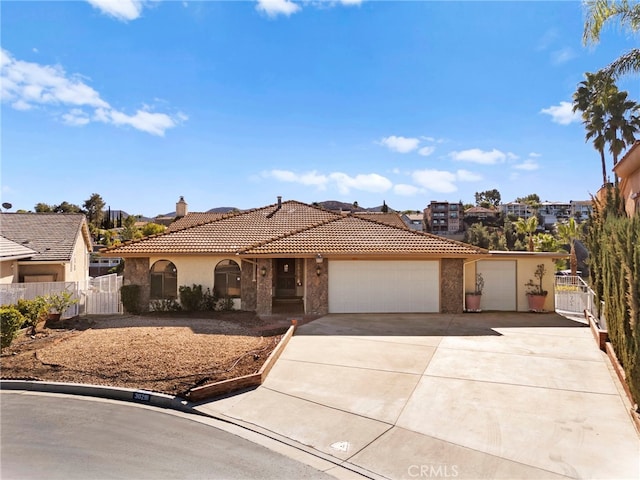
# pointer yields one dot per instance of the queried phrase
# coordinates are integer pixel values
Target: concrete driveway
(491, 395)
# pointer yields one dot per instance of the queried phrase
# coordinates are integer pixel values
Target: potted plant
(58, 303)
(472, 299)
(536, 295)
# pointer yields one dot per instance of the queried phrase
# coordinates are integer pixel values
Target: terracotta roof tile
(193, 219)
(389, 218)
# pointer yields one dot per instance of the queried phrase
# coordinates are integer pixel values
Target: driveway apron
(491, 395)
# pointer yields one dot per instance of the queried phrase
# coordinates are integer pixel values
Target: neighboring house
(516, 209)
(60, 245)
(628, 171)
(415, 221)
(444, 217)
(10, 253)
(291, 251)
(480, 215)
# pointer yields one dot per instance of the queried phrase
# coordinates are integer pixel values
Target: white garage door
(499, 284)
(384, 286)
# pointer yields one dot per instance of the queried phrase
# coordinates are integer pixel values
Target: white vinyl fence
(100, 295)
(573, 295)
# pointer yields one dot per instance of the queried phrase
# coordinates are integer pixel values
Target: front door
(285, 277)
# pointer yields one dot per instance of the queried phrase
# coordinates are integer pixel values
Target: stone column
(248, 286)
(264, 288)
(136, 272)
(451, 285)
(317, 301)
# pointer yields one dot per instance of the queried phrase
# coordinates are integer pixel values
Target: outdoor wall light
(263, 271)
(319, 260)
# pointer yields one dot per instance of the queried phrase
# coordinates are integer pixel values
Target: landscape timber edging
(599, 334)
(613, 358)
(224, 387)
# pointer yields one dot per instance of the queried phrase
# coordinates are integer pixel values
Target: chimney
(279, 201)
(181, 208)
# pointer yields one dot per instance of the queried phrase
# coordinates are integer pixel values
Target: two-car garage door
(365, 286)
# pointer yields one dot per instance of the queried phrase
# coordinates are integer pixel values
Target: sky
(233, 103)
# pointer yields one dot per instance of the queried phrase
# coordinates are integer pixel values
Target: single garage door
(364, 286)
(499, 284)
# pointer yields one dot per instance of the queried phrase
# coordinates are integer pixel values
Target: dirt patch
(168, 353)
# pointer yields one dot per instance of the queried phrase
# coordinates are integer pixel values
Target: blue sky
(233, 103)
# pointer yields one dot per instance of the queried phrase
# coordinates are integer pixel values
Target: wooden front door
(285, 277)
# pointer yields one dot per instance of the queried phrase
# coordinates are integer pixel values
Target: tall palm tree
(570, 232)
(623, 122)
(589, 100)
(600, 12)
(527, 227)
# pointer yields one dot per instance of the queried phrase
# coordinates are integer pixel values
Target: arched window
(164, 280)
(226, 281)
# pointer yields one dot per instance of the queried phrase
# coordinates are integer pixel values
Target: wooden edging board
(247, 381)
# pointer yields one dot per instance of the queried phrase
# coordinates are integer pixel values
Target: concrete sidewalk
(492, 395)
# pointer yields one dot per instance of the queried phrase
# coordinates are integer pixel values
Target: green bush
(613, 240)
(165, 305)
(130, 295)
(194, 299)
(33, 311)
(10, 322)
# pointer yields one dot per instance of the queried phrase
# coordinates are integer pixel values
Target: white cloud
(426, 151)
(436, 180)
(528, 165)
(371, 182)
(406, 190)
(121, 9)
(562, 113)
(512, 156)
(535, 155)
(467, 176)
(400, 144)
(562, 56)
(310, 178)
(351, 2)
(26, 85)
(273, 8)
(476, 155)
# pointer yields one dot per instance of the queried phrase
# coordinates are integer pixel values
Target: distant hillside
(335, 205)
(223, 210)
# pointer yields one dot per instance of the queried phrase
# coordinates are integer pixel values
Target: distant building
(444, 217)
(415, 221)
(480, 215)
(517, 209)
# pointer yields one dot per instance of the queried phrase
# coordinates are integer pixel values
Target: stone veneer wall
(136, 272)
(317, 287)
(451, 285)
(264, 288)
(248, 289)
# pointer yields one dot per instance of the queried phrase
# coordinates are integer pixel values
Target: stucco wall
(317, 287)
(6, 271)
(77, 270)
(26, 269)
(451, 285)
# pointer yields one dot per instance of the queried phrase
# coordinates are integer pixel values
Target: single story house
(329, 262)
(44, 247)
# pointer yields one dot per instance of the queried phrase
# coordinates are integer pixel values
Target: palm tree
(527, 227)
(600, 12)
(589, 99)
(622, 123)
(570, 232)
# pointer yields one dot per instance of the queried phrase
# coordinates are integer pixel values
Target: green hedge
(613, 240)
(130, 295)
(10, 322)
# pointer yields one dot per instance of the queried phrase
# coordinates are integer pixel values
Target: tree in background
(94, 209)
(623, 122)
(152, 229)
(129, 229)
(627, 14)
(570, 232)
(488, 198)
(43, 208)
(66, 207)
(527, 227)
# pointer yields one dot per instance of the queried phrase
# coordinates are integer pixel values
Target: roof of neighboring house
(480, 211)
(293, 228)
(193, 219)
(52, 236)
(10, 250)
(389, 218)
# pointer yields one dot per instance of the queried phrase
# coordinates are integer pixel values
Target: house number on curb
(141, 397)
(340, 446)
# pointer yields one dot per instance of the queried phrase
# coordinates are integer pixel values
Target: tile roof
(389, 218)
(10, 250)
(231, 233)
(353, 235)
(295, 228)
(193, 219)
(52, 235)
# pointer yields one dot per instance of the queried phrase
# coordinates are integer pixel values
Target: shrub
(165, 305)
(10, 322)
(130, 295)
(191, 298)
(60, 302)
(225, 304)
(33, 311)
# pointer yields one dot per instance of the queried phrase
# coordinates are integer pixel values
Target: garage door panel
(499, 284)
(384, 286)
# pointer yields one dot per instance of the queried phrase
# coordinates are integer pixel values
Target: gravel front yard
(168, 353)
